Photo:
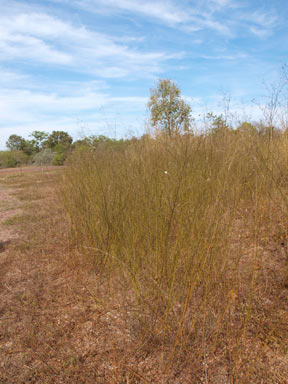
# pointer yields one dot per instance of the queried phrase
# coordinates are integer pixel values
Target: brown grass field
(64, 320)
(53, 327)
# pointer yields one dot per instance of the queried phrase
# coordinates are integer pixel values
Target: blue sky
(86, 66)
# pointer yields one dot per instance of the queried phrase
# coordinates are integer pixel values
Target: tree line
(41, 148)
(51, 149)
(170, 115)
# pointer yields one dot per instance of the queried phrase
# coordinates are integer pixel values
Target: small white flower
(166, 172)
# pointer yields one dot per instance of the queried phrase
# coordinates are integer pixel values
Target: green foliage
(100, 142)
(169, 112)
(217, 123)
(42, 149)
(58, 137)
(38, 140)
(85, 142)
(12, 159)
(28, 148)
(59, 158)
(15, 143)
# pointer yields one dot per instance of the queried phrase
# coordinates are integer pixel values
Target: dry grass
(151, 276)
(184, 228)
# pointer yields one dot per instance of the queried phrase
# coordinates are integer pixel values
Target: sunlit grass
(182, 223)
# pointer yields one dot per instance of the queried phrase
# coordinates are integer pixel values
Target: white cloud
(222, 16)
(30, 48)
(260, 32)
(166, 11)
(41, 38)
(11, 78)
(37, 37)
(258, 23)
(169, 12)
(263, 19)
(235, 56)
(19, 105)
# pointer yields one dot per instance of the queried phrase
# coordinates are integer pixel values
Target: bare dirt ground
(30, 169)
(8, 209)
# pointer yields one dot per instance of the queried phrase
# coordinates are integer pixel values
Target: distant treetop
(169, 112)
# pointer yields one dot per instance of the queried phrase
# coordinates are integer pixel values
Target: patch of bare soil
(8, 209)
(27, 169)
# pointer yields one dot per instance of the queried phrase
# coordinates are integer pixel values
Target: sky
(87, 66)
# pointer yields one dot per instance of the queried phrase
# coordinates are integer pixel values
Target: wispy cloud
(23, 47)
(189, 16)
(260, 32)
(165, 11)
(42, 38)
(11, 78)
(235, 56)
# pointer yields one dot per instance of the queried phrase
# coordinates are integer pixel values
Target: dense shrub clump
(12, 159)
(181, 221)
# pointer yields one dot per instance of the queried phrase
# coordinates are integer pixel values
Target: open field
(166, 263)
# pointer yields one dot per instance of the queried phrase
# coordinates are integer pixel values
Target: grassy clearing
(189, 235)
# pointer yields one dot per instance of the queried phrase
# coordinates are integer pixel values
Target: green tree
(28, 148)
(38, 139)
(58, 137)
(100, 141)
(168, 110)
(217, 123)
(15, 143)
